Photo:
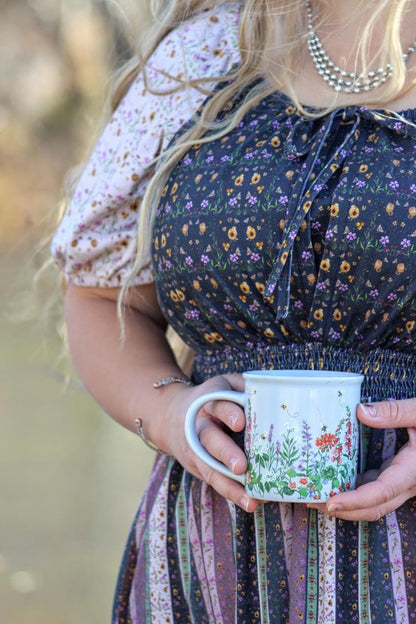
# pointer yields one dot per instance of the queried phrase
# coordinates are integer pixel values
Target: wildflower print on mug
(301, 436)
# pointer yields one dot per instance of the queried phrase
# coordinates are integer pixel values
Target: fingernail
(233, 421)
(369, 410)
(245, 502)
(233, 463)
(334, 508)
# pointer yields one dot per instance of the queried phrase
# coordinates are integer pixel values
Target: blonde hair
(257, 37)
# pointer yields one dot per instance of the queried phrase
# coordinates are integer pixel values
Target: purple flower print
(351, 236)
(189, 261)
(253, 200)
(204, 203)
(405, 243)
(204, 259)
(374, 292)
(255, 257)
(283, 200)
(270, 436)
(394, 184)
(413, 188)
(384, 240)
(392, 297)
(306, 436)
(233, 201)
(234, 257)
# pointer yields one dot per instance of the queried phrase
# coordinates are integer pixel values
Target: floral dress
(288, 243)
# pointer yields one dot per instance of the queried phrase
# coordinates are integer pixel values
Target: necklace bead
(335, 76)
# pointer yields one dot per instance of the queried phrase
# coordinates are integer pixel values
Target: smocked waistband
(387, 374)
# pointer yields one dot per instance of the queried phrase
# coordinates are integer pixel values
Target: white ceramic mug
(301, 435)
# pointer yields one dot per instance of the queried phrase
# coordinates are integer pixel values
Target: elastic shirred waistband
(388, 374)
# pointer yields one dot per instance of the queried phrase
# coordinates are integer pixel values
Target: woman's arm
(121, 377)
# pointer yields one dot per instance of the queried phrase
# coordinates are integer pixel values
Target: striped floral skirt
(193, 557)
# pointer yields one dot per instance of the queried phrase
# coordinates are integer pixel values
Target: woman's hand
(381, 492)
(168, 434)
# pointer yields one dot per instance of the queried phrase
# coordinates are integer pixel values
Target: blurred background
(70, 478)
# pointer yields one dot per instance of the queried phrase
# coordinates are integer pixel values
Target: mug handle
(192, 436)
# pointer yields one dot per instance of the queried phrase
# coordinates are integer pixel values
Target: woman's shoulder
(203, 46)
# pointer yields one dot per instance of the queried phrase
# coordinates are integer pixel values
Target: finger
(397, 479)
(229, 489)
(227, 412)
(388, 414)
(236, 381)
(369, 514)
(221, 446)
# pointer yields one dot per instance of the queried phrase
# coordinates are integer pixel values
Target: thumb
(388, 414)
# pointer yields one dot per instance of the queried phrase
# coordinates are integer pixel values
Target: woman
(279, 141)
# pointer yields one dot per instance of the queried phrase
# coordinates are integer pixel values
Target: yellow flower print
(245, 287)
(198, 178)
(165, 190)
(185, 229)
(230, 191)
(390, 208)
(289, 174)
(334, 167)
(345, 267)
(180, 295)
(259, 244)
(269, 333)
(306, 206)
(290, 110)
(325, 264)
(251, 232)
(260, 143)
(163, 240)
(173, 296)
(284, 257)
(410, 325)
(242, 324)
(243, 298)
(334, 210)
(256, 178)
(282, 224)
(377, 265)
(260, 287)
(401, 267)
(216, 336)
(337, 314)
(241, 139)
(174, 188)
(169, 252)
(363, 169)
(412, 212)
(209, 338)
(359, 225)
(303, 226)
(226, 246)
(214, 282)
(275, 141)
(385, 317)
(311, 278)
(284, 330)
(197, 145)
(202, 228)
(232, 233)
(156, 243)
(318, 314)
(354, 212)
(260, 189)
(196, 285)
(239, 180)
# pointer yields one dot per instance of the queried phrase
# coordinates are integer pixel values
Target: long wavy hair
(257, 43)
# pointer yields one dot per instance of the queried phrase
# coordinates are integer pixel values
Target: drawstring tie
(304, 141)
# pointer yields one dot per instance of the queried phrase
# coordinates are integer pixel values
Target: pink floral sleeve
(95, 243)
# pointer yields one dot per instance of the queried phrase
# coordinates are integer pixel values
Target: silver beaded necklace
(340, 79)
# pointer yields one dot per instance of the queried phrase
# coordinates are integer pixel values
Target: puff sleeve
(95, 243)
